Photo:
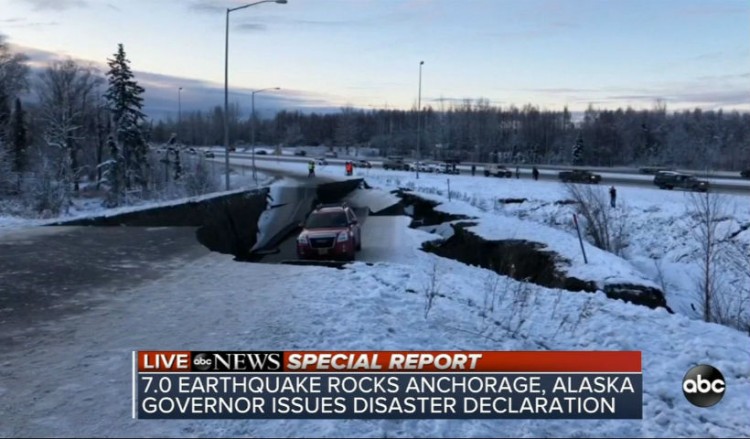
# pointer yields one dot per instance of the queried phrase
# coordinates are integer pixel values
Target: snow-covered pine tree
(6, 175)
(125, 103)
(113, 175)
(177, 165)
(578, 150)
(17, 137)
(4, 113)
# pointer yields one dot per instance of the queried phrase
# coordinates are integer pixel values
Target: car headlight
(302, 239)
(343, 237)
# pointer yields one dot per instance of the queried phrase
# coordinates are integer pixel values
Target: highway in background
(720, 181)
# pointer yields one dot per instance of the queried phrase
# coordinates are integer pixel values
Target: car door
(354, 224)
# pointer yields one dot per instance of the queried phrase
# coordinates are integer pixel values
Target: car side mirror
(354, 222)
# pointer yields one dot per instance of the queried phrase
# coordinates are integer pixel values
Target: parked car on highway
(579, 176)
(433, 168)
(192, 150)
(331, 154)
(209, 154)
(322, 161)
(422, 166)
(449, 168)
(654, 169)
(362, 164)
(745, 173)
(332, 231)
(497, 171)
(662, 178)
(395, 163)
(300, 153)
(671, 180)
(261, 152)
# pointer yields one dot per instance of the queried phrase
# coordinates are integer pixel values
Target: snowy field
(216, 304)
(658, 222)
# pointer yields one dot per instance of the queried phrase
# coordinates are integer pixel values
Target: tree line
(82, 127)
(78, 127)
(476, 130)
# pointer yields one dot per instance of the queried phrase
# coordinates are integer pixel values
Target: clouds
(250, 27)
(160, 97)
(706, 92)
(206, 6)
(23, 22)
(54, 5)
(539, 52)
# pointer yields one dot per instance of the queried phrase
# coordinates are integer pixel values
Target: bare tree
(606, 226)
(739, 258)
(13, 80)
(13, 70)
(346, 128)
(13, 77)
(68, 98)
(708, 210)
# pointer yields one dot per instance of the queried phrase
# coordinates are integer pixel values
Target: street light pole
(226, 82)
(179, 113)
(252, 126)
(419, 119)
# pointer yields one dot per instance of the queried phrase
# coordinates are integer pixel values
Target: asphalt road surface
(48, 272)
(614, 176)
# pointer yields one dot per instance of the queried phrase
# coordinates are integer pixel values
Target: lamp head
(281, 2)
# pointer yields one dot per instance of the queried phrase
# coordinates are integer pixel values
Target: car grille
(321, 242)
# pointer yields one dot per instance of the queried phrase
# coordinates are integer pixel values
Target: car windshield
(326, 220)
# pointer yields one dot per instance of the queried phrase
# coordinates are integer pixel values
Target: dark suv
(745, 173)
(579, 176)
(332, 231)
(654, 169)
(671, 180)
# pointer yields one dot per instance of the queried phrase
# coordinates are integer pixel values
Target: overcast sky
(366, 53)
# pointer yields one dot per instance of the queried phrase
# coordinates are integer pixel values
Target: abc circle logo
(202, 362)
(703, 385)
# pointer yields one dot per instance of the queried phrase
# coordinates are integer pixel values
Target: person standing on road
(311, 168)
(612, 196)
(518, 172)
(349, 168)
(473, 170)
(535, 173)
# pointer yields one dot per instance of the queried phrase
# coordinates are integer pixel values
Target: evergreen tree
(578, 150)
(113, 175)
(177, 165)
(4, 114)
(7, 181)
(125, 103)
(18, 138)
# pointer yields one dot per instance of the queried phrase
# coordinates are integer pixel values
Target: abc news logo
(703, 385)
(237, 361)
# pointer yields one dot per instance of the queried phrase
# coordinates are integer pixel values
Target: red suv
(330, 232)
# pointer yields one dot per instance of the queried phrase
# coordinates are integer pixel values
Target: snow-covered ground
(71, 377)
(658, 223)
(240, 180)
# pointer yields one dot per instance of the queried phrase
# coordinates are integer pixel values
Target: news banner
(387, 385)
